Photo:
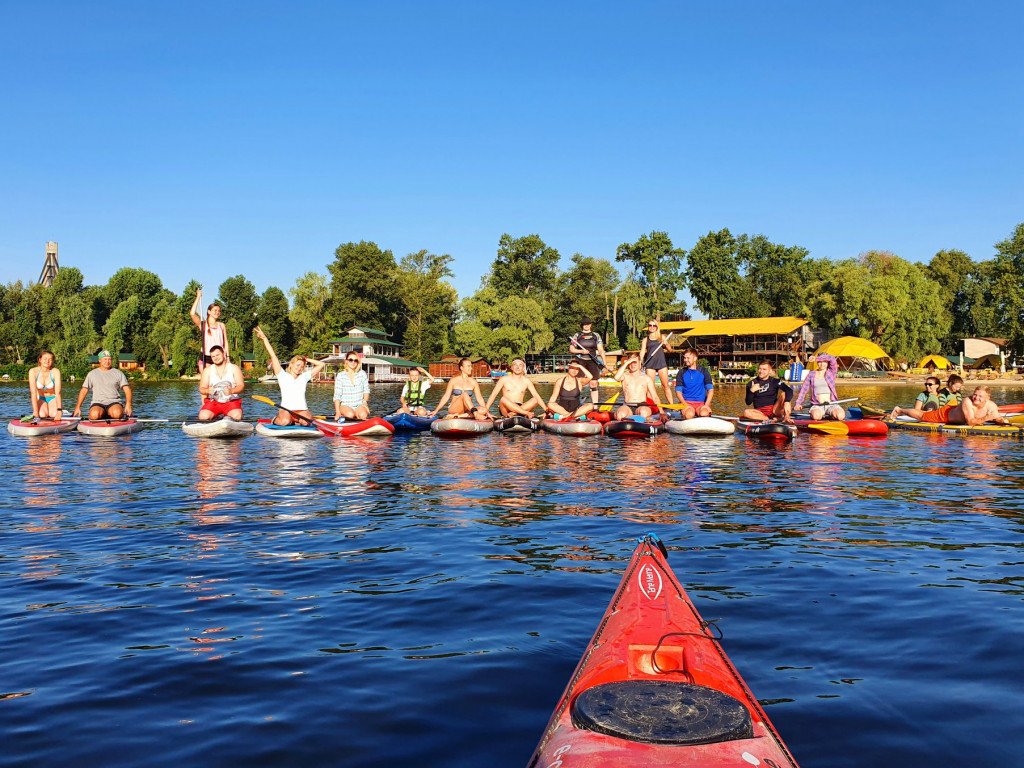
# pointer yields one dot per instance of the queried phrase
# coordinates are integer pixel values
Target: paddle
(592, 355)
(608, 405)
(828, 428)
(309, 421)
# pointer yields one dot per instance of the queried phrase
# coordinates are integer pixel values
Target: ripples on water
(423, 603)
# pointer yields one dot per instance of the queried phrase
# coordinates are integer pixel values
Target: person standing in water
(214, 333)
(292, 382)
(44, 388)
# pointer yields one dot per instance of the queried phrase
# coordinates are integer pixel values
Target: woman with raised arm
(214, 333)
(292, 382)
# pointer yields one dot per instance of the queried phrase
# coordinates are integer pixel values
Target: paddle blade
(828, 428)
(263, 399)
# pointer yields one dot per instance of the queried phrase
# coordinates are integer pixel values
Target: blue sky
(210, 139)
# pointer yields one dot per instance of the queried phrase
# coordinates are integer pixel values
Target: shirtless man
(637, 390)
(221, 386)
(513, 389)
(974, 410)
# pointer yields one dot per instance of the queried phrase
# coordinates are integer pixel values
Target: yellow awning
(937, 360)
(853, 346)
(743, 326)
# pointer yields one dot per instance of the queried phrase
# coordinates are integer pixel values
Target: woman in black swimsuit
(567, 396)
(652, 352)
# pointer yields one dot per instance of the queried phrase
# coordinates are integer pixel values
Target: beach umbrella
(848, 348)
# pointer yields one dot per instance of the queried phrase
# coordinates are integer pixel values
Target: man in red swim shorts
(221, 386)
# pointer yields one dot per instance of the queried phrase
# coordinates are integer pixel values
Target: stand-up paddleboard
(516, 424)
(220, 428)
(408, 422)
(625, 429)
(572, 427)
(656, 689)
(852, 427)
(372, 427)
(768, 430)
(38, 427)
(457, 428)
(268, 428)
(701, 425)
(929, 427)
(108, 427)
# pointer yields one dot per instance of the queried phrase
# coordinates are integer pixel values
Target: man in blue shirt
(694, 387)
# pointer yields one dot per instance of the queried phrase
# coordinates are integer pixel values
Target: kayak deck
(655, 687)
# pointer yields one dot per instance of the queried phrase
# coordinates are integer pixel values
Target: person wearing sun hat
(588, 349)
(106, 384)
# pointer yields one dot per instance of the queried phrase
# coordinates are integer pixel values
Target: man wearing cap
(589, 349)
(106, 385)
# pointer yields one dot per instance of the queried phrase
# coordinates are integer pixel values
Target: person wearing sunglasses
(652, 352)
(351, 390)
(292, 382)
(929, 399)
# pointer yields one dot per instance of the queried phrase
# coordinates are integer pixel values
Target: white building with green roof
(382, 358)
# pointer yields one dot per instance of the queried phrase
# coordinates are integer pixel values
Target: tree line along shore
(527, 302)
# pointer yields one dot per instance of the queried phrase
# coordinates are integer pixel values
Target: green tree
(428, 304)
(1006, 281)
(238, 298)
(657, 267)
(499, 328)
(586, 289)
(185, 349)
(524, 266)
(165, 321)
(364, 288)
(713, 275)
(311, 299)
(68, 282)
(274, 320)
(958, 277)
(885, 299)
(121, 325)
(775, 277)
(77, 334)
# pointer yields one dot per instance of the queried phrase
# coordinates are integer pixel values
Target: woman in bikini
(567, 396)
(214, 332)
(652, 352)
(44, 388)
(461, 390)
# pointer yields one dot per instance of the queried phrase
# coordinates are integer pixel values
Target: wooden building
(742, 342)
(125, 362)
(448, 366)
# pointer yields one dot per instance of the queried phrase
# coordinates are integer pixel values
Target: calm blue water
(416, 602)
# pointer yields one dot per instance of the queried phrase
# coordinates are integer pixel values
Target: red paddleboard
(655, 688)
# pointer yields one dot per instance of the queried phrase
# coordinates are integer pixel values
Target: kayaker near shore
(973, 411)
(513, 389)
(638, 390)
(694, 386)
(292, 383)
(413, 396)
(107, 385)
(213, 332)
(820, 384)
(351, 390)
(566, 400)
(461, 391)
(767, 397)
(652, 352)
(586, 346)
(221, 386)
(44, 388)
